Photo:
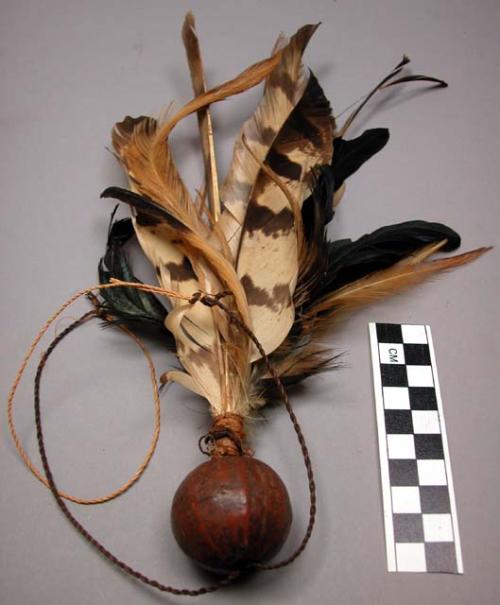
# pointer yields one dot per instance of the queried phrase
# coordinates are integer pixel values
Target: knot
(98, 307)
(209, 300)
(196, 297)
(226, 437)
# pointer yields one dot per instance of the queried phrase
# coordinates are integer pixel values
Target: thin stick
(195, 62)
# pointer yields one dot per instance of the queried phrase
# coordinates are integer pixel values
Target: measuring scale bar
(420, 516)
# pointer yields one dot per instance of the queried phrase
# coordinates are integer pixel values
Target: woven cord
(69, 515)
(210, 301)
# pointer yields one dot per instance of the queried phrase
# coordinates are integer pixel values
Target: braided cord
(208, 300)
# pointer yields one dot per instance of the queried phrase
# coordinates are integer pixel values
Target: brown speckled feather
(268, 256)
(284, 88)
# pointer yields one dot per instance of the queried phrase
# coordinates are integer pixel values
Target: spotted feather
(268, 256)
(283, 90)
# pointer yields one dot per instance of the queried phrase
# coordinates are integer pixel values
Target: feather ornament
(250, 284)
(262, 236)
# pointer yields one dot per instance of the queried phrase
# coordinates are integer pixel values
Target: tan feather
(133, 140)
(193, 326)
(184, 379)
(153, 175)
(196, 355)
(302, 361)
(247, 79)
(390, 281)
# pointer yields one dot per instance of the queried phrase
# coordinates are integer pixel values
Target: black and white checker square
(423, 531)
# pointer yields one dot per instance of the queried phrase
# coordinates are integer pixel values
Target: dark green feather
(140, 311)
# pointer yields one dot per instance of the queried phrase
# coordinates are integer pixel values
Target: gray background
(69, 70)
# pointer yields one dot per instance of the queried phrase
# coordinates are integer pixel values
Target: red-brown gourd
(231, 512)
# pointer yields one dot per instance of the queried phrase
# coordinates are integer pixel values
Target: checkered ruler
(419, 502)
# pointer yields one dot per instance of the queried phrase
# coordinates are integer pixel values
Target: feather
(151, 174)
(423, 254)
(268, 255)
(284, 88)
(171, 228)
(293, 369)
(138, 310)
(381, 284)
(350, 155)
(383, 248)
(184, 379)
(133, 140)
(247, 79)
(195, 353)
(317, 212)
(389, 80)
